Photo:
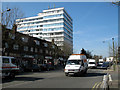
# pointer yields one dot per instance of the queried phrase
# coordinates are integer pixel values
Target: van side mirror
(82, 63)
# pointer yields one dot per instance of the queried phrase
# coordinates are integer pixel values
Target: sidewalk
(114, 85)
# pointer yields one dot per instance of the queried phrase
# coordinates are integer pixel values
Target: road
(55, 79)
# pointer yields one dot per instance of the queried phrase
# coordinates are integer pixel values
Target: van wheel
(12, 75)
(66, 74)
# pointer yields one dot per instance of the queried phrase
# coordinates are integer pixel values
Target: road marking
(95, 85)
(98, 85)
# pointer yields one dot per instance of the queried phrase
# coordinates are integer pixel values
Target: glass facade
(55, 24)
(60, 26)
(52, 16)
(53, 29)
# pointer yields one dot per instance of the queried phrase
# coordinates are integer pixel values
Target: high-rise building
(52, 24)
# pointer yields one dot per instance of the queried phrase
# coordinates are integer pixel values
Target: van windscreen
(5, 60)
(73, 62)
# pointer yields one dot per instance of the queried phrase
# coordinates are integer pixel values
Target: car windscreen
(91, 62)
(73, 62)
(105, 64)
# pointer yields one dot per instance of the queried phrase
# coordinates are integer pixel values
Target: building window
(25, 48)
(50, 52)
(53, 46)
(46, 51)
(35, 49)
(15, 47)
(45, 44)
(12, 36)
(6, 45)
(24, 39)
(41, 51)
(37, 42)
(31, 49)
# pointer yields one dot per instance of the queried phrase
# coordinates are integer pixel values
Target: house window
(31, 49)
(53, 46)
(41, 51)
(6, 45)
(50, 52)
(12, 36)
(37, 42)
(45, 44)
(15, 47)
(24, 39)
(25, 48)
(46, 51)
(35, 49)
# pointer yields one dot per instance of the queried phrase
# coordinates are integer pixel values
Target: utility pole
(113, 48)
(113, 55)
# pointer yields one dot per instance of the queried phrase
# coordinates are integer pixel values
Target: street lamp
(6, 11)
(113, 47)
(109, 47)
(113, 56)
(3, 13)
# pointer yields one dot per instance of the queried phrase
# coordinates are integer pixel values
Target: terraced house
(27, 48)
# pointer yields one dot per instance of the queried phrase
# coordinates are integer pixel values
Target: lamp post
(109, 46)
(113, 55)
(4, 12)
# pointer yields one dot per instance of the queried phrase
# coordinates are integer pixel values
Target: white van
(101, 61)
(92, 63)
(76, 65)
(9, 67)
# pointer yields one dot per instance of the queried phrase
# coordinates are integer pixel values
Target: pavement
(114, 83)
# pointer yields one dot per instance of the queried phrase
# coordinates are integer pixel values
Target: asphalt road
(54, 79)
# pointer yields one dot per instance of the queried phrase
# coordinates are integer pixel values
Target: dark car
(36, 67)
(105, 65)
(47, 67)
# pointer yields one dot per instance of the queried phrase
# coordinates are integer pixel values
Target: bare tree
(9, 16)
(67, 49)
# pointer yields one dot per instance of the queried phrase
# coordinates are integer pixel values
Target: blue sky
(93, 22)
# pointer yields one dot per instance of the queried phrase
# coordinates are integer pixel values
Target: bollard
(110, 79)
(105, 82)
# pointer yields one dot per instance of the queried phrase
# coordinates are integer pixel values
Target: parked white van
(92, 63)
(76, 65)
(101, 61)
(8, 66)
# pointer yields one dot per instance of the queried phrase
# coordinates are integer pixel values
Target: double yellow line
(96, 85)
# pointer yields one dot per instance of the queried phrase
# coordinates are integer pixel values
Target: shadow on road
(94, 74)
(89, 75)
(5, 80)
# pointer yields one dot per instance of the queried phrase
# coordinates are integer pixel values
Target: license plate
(71, 73)
(71, 70)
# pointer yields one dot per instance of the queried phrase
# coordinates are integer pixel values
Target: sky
(93, 22)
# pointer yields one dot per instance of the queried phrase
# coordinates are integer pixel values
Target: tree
(87, 53)
(67, 49)
(9, 16)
